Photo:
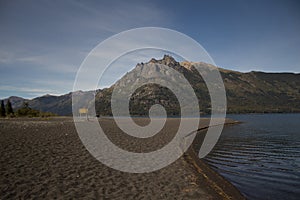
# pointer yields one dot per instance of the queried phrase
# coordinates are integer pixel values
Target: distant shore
(44, 158)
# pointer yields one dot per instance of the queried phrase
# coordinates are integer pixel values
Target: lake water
(261, 156)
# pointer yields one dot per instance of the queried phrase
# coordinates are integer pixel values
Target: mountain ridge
(247, 92)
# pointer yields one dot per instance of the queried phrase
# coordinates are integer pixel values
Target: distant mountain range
(252, 92)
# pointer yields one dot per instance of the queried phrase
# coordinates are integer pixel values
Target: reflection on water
(261, 156)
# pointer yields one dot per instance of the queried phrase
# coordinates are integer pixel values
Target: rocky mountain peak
(153, 60)
(166, 60)
(187, 65)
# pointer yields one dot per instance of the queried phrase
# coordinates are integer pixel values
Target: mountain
(246, 92)
(61, 105)
(16, 102)
(262, 92)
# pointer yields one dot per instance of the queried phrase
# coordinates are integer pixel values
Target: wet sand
(45, 159)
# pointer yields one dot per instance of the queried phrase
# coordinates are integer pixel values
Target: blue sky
(43, 43)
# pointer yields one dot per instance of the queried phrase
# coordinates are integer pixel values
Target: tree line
(6, 110)
(24, 111)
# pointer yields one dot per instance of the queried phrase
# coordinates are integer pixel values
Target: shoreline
(45, 158)
(216, 182)
(219, 184)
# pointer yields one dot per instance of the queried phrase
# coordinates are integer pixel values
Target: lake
(261, 156)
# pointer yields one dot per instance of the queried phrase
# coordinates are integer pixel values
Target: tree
(2, 109)
(9, 109)
(26, 111)
(26, 105)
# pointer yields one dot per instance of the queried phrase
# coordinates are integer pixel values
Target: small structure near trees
(84, 112)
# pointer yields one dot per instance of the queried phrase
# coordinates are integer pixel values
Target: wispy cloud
(47, 42)
(36, 91)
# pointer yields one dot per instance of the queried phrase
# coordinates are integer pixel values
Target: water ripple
(261, 157)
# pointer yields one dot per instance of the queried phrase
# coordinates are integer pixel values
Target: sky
(43, 43)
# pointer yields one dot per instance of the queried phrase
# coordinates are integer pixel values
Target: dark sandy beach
(45, 159)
